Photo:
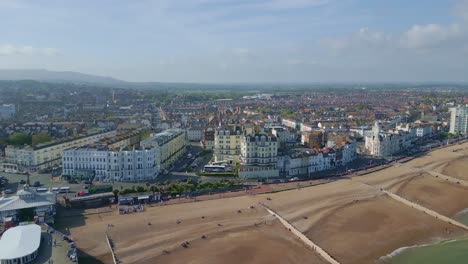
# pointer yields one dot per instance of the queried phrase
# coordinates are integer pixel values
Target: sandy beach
(351, 219)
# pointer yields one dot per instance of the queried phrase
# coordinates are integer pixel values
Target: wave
(438, 241)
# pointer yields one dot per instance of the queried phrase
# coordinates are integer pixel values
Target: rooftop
(26, 199)
(20, 241)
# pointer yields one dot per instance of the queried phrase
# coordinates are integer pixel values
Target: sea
(453, 251)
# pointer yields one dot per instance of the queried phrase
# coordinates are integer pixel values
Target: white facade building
(423, 131)
(170, 145)
(42, 204)
(289, 123)
(259, 150)
(20, 244)
(194, 133)
(384, 144)
(136, 164)
(284, 136)
(459, 120)
(49, 154)
(227, 143)
(305, 162)
(7, 111)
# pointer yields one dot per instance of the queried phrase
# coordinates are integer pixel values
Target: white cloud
(12, 4)
(8, 50)
(244, 54)
(431, 36)
(51, 52)
(461, 9)
(294, 4)
(300, 62)
(417, 39)
(362, 41)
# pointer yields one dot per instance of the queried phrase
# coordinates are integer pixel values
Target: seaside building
(227, 144)
(303, 161)
(384, 144)
(20, 244)
(170, 145)
(459, 120)
(49, 154)
(258, 156)
(41, 205)
(105, 164)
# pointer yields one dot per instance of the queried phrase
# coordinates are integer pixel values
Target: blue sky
(240, 40)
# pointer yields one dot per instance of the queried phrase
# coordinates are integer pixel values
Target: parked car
(22, 182)
(37, 184)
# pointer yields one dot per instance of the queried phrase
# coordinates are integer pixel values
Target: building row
(105, 164)
(145, 162)
(48, 155)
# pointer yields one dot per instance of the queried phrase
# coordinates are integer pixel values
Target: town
(66, 149)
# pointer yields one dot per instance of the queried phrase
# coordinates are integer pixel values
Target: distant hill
(58, 76)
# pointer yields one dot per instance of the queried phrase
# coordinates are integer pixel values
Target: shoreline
(438, 241)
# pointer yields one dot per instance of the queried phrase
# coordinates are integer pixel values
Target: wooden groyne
(302, 237)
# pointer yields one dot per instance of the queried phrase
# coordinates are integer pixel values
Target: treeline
(21, 139)
(178, 187)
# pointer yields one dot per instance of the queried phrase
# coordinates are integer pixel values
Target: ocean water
(446, 252)
(462, 216)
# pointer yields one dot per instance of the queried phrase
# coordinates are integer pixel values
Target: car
(37, 184)
(72, 181)
(8, 191)
(22, 182)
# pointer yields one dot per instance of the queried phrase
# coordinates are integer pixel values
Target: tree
(116, 194)
(154, 189)
(19, 139)
(140, 189)
(41, 138)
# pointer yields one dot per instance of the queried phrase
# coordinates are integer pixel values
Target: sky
(225, 41)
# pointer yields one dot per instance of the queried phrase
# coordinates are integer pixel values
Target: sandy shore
(351, 219)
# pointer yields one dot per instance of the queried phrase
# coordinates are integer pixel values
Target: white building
(49, 154)
(289, 123)
(7, 111)
(194, 133)
(135, 164)
(459, 120)
(20, 244)
(384, 144)
(227, 144)
(170, 146)
(305, 162)
(259, 150)
(283, 135)
(43, 205)
(423, 131)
